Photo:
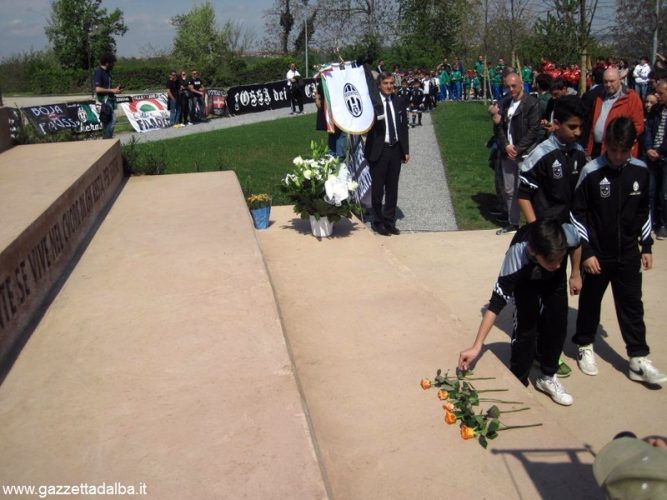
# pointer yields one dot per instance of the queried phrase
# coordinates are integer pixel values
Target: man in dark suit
(387, 147)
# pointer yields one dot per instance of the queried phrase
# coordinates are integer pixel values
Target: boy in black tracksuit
(550, 173)
(417, 103)
(611, 214)
(533, 274)
(404, 91)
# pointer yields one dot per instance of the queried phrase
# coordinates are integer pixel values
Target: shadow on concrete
(343, 227)
(485, 203)
(606, 353)
(547, 467)
(399, 214)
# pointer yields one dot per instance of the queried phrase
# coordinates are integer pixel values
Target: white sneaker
(586, 360)
(553, 387)
(642, 370)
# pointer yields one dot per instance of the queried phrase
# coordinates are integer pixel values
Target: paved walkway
(423, 195)
(215, 124)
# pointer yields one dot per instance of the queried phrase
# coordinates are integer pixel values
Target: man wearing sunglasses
(196, 89)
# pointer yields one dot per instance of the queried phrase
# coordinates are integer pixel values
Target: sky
(22, 22)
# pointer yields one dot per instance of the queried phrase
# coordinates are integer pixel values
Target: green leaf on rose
(493, 412)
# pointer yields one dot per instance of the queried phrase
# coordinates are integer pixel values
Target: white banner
(349, 100)
(148, 112)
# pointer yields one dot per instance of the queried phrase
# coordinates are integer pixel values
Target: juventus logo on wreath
(352, 100)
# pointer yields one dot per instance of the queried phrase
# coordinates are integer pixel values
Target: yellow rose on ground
(448, 406)
(467, 432)
(450, 418)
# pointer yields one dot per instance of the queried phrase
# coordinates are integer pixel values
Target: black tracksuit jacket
(611, 210)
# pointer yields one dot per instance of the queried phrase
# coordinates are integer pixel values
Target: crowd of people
(185, 98)
(576, 168)
(588, 174)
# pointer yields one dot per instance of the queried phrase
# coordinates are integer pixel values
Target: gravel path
(424, 201)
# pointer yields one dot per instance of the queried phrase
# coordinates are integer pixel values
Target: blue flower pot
(260, 217)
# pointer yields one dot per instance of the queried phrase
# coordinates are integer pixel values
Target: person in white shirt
(294, 88)
(641, 74)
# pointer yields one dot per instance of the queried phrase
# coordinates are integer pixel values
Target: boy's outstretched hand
(468, 356)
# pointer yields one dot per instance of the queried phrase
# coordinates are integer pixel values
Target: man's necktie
(390, 122)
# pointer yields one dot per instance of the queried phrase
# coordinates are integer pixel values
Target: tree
(236, 37)
(430, 29)
(286, 23)
(278, 24)
(300, 41)
(635, 25)
(198, 41)
(81, 30)
(350, 22)
(557, 34)
(510, 27)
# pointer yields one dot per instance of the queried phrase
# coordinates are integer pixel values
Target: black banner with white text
(265, 96)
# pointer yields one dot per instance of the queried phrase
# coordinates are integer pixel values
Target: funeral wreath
(321, 186)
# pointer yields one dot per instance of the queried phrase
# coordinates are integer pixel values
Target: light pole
(305, 31)
(655, 31)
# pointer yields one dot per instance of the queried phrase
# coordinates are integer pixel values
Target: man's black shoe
(380, 229)
(393, 229)
(510, 228)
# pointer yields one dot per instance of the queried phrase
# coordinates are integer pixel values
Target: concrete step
(162, 361)
(51, 197)
(363, 329)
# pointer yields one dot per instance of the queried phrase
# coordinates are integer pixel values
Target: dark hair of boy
(543, 82)
(107, 58)
(621, 133)
(568, 106)
(557, 84)
(548, 239)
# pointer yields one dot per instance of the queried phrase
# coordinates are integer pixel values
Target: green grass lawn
(462, 130)
(260, 154)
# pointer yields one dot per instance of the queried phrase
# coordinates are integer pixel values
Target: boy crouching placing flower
(534, 274)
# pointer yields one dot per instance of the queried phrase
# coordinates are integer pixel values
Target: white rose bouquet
(321, 186)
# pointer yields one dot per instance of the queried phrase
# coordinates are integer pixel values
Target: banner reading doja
(349, 101)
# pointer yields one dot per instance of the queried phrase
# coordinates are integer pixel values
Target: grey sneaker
(661, 233)
(586, 360)
(553, 387)
(642, 370)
